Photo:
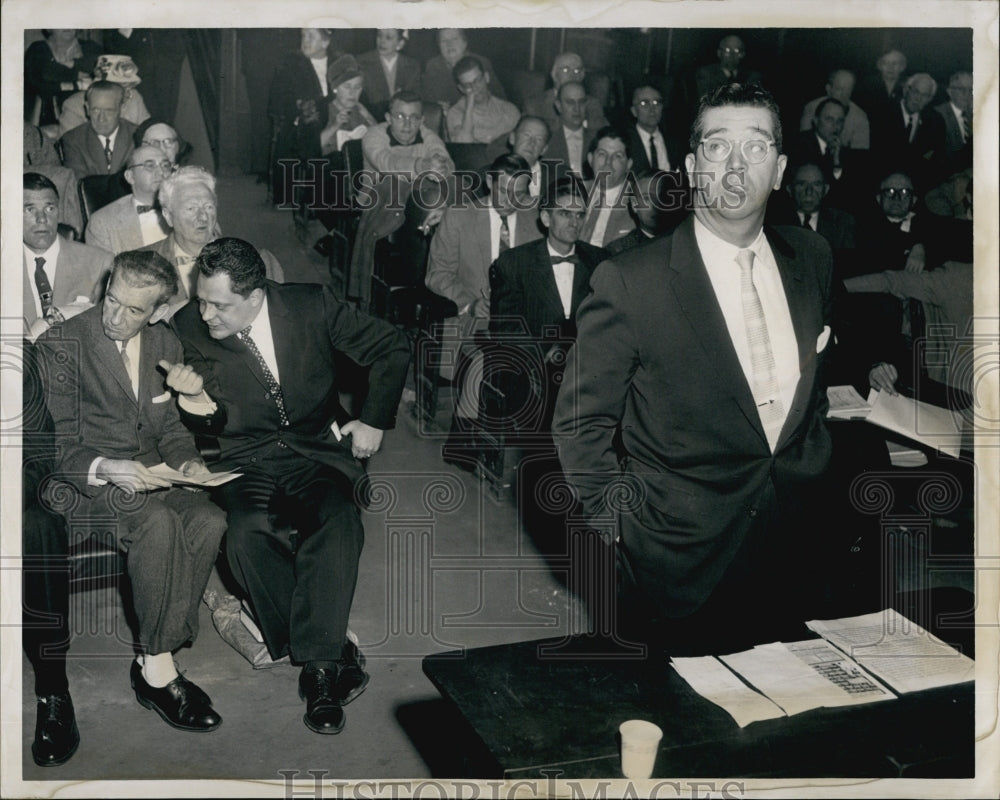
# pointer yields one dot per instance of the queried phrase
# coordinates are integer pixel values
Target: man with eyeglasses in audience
(728, 69)
(133, 221)
(647, 145)
(567, 68)
(695, 390)
(403, 144)
(478, 116)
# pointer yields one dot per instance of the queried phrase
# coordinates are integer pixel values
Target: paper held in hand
(206, 479)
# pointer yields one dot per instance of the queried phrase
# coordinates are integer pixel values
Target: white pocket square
(822, 339)
(162, 398)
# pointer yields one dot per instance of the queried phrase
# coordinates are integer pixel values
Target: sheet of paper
(846, 403)
(208, 479)
(930, 425)
(710, 678)
(896, 650)
(804, 675)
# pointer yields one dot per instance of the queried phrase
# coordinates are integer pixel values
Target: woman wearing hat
(347, 119)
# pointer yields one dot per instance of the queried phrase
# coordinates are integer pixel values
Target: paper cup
(640, 741)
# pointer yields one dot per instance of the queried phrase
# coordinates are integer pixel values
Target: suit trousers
(45, 611)
(300, 589)
(171, 541)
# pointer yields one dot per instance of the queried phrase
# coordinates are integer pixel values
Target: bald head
(567, 67)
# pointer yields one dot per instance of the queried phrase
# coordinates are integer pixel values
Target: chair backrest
(468, 156)
(96, 191)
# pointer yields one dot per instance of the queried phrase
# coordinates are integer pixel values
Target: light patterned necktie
(272, 384)
(762, 363)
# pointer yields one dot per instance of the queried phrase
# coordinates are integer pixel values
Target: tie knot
(245, 333)
(745, 259)
(39, 263)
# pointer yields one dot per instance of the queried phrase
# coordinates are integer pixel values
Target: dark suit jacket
(94, 410)
(84, 154)
(640, 161)
(923, 158)
(958, 153)
(80, 272)
(836, 226)
(376, 94)
(558, 151)
(632, 239)
(654, 365)
(712, 76)
(854, 185)
(310, 328)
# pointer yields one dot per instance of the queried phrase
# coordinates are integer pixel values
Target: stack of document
(859, 660)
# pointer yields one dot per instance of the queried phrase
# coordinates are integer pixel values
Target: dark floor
(445, 565)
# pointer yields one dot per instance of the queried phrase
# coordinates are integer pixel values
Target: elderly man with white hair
(190, 207)
(909, 134)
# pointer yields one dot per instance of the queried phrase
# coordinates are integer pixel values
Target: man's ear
(689, 163)
(256, 297)
(129, 176)
(167, 216)
(162, 312)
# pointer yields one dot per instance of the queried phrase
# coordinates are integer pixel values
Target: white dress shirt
(149, 224)
(495, 223)
(319, 66)
(662, 161)
(604, 204)
(564, 278)
(574, 148)
(723, 271)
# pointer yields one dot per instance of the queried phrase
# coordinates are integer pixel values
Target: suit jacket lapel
(696, 298)
(107, 351)
(544, 279)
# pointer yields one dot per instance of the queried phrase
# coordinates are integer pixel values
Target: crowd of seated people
(557, 183)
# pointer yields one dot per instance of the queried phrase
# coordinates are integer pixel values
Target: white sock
(158, 670)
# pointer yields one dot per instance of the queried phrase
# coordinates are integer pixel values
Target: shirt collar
(712, 247)
(554, 254)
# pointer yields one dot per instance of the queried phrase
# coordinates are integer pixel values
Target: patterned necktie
(504, 235)
(42, 285)
(966, 127)
(107, 151)
(762, 363)
(654, 158)
(914, 122)
(269, 379)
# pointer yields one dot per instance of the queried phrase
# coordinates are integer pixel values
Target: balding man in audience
(728, 69)
(478, 116)
(840, 86)
(567, 68)
(824, 145)
(910, 134)
(61, 277)
(133, 221)
(649, 148)
(571, 137)
(190, 208)
(102, 145)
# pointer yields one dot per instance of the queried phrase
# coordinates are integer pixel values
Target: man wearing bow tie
(133, 221)
(190, 209)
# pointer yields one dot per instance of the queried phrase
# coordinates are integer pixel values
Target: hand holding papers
(208, 479)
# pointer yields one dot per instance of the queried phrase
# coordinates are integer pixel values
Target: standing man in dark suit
(113, 419)
(265, 353)
(728, 69)
(697, 382)
(102, 145)
(387, 70)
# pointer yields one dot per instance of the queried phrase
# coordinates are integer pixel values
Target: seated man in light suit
(265, 354)
(114, 418)
(133, 221)
(102, 145)
(61, 277)
(190, 207)
(471, 235)
(608, 216)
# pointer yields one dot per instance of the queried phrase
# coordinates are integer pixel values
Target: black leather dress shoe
(317, 685)
(182, 704)
(56, 735)
(351, 679)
